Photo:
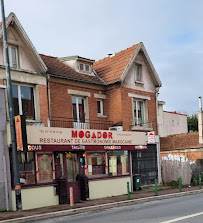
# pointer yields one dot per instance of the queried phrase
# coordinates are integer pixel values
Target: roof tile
(111, 68)
(55, 67)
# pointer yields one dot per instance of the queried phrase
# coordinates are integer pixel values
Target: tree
(192, 122)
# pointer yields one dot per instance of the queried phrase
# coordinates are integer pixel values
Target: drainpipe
(49, 99)
(157, 118)
(200, 121)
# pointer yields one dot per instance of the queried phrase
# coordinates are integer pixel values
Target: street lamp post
(17, 185)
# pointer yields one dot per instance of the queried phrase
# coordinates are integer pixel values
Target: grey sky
(171, 30)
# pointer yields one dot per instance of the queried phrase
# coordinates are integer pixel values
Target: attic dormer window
(84, 67)
(13, 56)
(81, 66)
(87, 68)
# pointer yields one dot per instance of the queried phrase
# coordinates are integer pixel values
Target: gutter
(49, 99)
(74, 79)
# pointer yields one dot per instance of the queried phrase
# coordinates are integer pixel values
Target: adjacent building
(171, 123)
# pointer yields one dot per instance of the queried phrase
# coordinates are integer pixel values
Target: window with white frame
(78, 105)
(138, 76)
(13, 56)
(87, 68)
(139, 112)
(81, 66)
(23, 100)
(84, 67)
(100, 107)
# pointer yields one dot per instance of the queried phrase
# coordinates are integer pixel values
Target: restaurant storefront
(61, 153)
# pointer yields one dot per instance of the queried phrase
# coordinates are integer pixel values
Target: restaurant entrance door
(73, 172)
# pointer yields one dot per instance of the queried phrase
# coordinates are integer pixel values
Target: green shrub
(173, 183)
(194, 182)
(2, 210)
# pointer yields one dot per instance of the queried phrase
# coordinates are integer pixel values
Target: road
(186, 209)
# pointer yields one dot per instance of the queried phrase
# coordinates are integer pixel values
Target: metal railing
(64, 122)
(144, 124)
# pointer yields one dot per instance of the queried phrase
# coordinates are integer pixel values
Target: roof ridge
(116, 53)
(41, 54)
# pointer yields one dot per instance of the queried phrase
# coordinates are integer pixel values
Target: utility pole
(17, 185)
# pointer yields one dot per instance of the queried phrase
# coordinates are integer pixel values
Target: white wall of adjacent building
(171, 123)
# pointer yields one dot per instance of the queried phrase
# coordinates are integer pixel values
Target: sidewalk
(104, 203)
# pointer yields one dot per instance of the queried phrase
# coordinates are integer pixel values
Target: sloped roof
(111, 68)
(59, 69)
(12, 18)
(115, 68)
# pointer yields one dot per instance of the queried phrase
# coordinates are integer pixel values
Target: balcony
(141, 126)
(63, 122)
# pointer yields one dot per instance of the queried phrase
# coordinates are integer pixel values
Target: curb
(98, 207)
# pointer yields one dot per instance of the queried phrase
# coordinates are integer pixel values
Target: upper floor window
(87, 68)
(138, 73)
(13, 56)
(139, 112)
(100, 107)
(84, 67)
(78, 105)
(23, 100)
(81, 66)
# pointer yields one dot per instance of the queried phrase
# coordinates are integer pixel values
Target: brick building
(115, 93)
(73, 105)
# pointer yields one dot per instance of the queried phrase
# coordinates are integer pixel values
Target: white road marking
(182, 218)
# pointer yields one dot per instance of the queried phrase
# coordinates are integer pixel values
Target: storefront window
(96, 164)
(72, 166)
(45, 167)
(26, 167)
(118, 163)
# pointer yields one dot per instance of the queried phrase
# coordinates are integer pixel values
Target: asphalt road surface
(186, 209)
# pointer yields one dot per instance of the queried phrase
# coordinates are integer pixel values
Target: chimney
(200, 119)
(110, 54)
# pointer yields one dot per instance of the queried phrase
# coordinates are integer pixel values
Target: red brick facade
(43, 102)
(127, 107)
(61, 103)
(117, 105)
(182, 141)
